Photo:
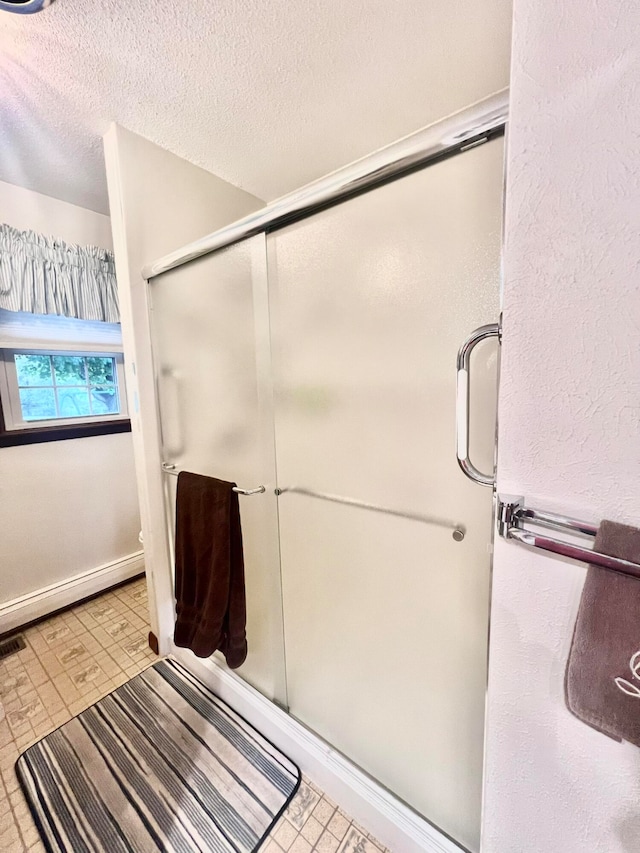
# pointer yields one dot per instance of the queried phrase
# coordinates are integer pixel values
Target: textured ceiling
(268, 95)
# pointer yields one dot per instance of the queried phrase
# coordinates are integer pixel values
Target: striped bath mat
(159, 764)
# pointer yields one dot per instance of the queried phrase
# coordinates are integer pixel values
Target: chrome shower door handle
(492, 330)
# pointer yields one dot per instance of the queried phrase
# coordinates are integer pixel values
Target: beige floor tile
(42, 717)
(37, 674)
(50, 695)
(23, 816)
(323, 812)
(285, 834)
(88, 675)
(137, 621)
(11, 683)
(26, 740)
(5, 734)
(51, 664)
(357, 842)
(37, 642)
(66, 688)
(10, 841)
(18, 701)
(10, 780)
(327, 843)
(43, 730)
(72, 653)
(60, 718)
(91, 644)
(302, 805)
(8, 755)
(108, 665)
(136, 645)
(338, 825)
(118, 654)
(102, 611)
(20, 731)
(30, 837)
(78, 707)
(312, 830)
(54, 637)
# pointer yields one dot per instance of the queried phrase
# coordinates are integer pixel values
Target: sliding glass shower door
(386, 616)
(212, 359)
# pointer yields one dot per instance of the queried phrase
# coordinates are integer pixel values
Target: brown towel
(210, 594)
(602, 682)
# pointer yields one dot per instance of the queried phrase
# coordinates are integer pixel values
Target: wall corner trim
(389, 819)
(34, 605)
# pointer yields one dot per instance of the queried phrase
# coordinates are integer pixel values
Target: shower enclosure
(317, 357)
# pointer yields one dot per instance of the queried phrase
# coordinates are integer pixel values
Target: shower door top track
(470, 127)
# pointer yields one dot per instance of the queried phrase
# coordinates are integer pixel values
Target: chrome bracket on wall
(512, 515)
(492, 330)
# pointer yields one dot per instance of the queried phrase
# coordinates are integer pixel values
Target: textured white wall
(569, 413)
(65, 506)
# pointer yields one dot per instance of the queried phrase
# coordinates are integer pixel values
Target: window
(48, 392)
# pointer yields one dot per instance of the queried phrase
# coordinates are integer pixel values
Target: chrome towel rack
(458, 531)
(170, 469)
(513, 514)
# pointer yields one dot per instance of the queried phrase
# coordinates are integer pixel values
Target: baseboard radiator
(39, 603)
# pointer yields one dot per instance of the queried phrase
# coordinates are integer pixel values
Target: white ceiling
(268, 94)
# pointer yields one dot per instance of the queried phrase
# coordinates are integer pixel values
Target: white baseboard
(371, 805)
(35, 605)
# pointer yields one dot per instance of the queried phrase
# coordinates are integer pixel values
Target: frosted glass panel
(386, 619)
(211, 349)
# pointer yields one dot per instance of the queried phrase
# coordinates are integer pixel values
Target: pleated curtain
(43, 275)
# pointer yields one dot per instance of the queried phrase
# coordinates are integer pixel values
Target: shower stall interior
(314, 354)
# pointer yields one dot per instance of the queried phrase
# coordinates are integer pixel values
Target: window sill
(37, 435)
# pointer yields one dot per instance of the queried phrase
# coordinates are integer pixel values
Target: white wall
(158, 202)
(28, 210)
(66, 507)
(569, 413)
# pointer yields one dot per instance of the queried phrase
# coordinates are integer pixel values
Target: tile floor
(75, 658)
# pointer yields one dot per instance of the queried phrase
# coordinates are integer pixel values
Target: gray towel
(602, 681)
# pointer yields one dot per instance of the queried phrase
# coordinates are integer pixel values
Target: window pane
(37, 403)
(69, 369)
(101, 370)
(33, 370)
(53, 386)
(73, 402)
(105, 401)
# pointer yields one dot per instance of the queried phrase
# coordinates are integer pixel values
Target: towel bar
(168, 468)
(513, 514)
(458, 531)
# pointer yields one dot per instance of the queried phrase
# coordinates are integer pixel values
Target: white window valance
(43, 275)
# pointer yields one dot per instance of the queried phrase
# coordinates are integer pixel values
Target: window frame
(15, 431)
